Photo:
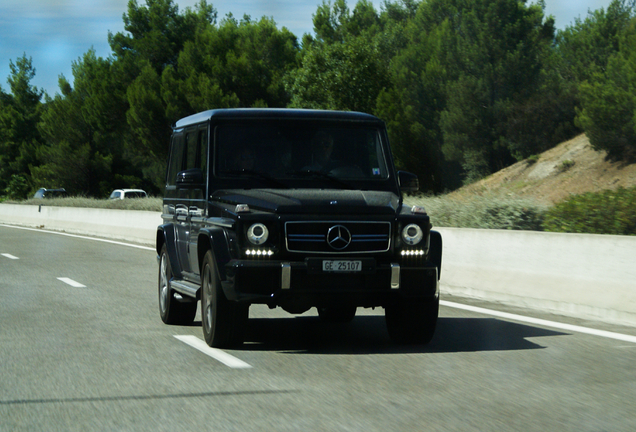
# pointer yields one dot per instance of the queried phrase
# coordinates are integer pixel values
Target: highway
(82, 348)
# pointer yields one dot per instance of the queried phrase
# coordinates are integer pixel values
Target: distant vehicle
(50, 193)
(128, 193)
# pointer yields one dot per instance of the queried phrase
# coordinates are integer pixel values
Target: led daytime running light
(418, 252)
(259, 253)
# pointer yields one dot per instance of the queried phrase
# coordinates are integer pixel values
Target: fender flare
(166, 235)
(216, 240)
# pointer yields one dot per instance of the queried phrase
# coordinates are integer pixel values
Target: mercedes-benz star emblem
(338, 237)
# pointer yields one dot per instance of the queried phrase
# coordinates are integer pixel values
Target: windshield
(300, 149)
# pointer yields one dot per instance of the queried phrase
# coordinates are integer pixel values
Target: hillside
(572, 167)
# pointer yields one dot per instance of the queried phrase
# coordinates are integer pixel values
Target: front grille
(338, 237)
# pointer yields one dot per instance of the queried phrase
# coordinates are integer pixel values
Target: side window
(176, 159)
(191, 150)
(202, 161)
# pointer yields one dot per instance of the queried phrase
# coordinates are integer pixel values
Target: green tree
(156, 33)
(344, 76)
(334, 23)
(85, 131)
(608, 102)
(345, 67)
(234, 64)
(19, 114)
(468, 70)
(581, 58)
(585, 47)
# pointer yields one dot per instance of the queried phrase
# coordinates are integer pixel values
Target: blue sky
(55, 33)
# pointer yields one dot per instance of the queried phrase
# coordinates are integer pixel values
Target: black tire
(337, 314)
(412, 321)
(171, 310)
(223, 321)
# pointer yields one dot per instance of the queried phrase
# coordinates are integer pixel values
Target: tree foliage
(607, 108)
(19, 138)
(465, 87)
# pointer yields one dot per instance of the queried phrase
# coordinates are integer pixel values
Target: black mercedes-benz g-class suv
(297, 209)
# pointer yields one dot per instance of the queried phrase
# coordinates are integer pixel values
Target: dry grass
(146, 204)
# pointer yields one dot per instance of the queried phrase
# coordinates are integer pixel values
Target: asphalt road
(89, 352)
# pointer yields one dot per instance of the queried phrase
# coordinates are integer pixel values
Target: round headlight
(257, 234)
(412, 234)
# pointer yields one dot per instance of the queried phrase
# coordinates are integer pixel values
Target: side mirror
(408, 181)
(190, 179)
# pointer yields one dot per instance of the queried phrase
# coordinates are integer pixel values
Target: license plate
(341, 266)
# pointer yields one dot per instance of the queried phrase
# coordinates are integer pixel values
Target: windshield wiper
(256, 174)
(321, 174)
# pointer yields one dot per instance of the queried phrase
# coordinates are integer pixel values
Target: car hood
(319, 201)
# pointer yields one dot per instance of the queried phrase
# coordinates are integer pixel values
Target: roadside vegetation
(607, 212)
(145, 204)
(483, 211)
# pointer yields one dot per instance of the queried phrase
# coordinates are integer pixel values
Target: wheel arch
(214, 239)
(166, 236)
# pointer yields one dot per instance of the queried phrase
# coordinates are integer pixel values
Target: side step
(186, 288)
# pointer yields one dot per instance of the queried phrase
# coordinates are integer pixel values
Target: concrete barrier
(134, 226)
(585, 276)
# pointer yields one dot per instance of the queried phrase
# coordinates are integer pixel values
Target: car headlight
(257, 234)
(412, 234)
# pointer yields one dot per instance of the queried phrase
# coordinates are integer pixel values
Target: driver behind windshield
(245, 159)
(321, 149)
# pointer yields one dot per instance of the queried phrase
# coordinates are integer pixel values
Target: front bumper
(276, 282)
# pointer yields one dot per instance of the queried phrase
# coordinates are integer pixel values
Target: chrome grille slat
(311, 237)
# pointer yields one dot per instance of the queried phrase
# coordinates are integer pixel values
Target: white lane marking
(9, 256)
(80, 237)
(71, 282)
(537, 321)
(215, 353)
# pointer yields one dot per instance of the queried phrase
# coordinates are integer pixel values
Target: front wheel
(413, 321)
(223, 321)
(171, 310)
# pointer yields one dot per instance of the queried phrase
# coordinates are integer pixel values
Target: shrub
(566, 165)
(607, 212)
(531, 160)
(18, 188)
(483, 211)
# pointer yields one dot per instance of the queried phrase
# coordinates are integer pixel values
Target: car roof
(129, 190)
(273, 113)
